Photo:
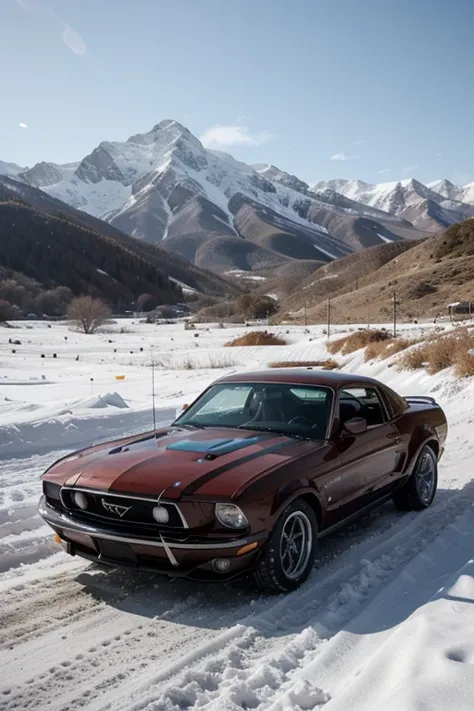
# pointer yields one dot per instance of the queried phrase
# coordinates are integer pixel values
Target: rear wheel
(419, 491)
(288, 556)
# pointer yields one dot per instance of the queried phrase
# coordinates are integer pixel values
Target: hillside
(173, 266)
(56, 252)
(425, 277)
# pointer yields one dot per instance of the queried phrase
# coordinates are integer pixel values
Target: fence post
(394, 314)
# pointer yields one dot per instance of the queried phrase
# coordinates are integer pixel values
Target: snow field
(382, 623)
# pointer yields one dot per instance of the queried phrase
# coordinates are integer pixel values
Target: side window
(396, 405)
(365, 402)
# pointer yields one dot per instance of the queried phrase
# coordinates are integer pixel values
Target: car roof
(301, 376)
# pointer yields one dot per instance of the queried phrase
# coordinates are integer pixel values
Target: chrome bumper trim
(66, 523)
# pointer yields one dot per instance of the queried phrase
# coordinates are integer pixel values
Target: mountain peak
(168, 131)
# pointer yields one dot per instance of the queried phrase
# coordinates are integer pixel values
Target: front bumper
(192, 560)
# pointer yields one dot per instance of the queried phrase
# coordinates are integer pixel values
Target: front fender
(299, 488)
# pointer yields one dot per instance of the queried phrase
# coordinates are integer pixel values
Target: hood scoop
(213, 448)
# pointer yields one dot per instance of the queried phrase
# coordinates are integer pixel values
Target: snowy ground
(384, 622)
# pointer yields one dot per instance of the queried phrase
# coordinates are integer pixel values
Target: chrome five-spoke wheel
(420, 489)
(425, 476)
(288, 556)
(295, 544)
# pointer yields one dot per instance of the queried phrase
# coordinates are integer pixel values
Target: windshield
(295, 410)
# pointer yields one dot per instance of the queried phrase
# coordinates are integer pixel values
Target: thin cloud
(221, 136)
(384, 171)
(360, 142)
(409, 169)
(23, 125)
(343, 156)
(438, 155)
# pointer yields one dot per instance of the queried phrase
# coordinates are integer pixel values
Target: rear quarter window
(396, 405)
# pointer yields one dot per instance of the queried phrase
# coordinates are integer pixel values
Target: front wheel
(419, 491)
(288, 556)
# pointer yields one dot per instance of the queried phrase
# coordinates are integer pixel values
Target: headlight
(80, 500)
(231, 516)
(160, 514)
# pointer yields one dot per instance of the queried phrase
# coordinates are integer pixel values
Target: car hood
(215, 462)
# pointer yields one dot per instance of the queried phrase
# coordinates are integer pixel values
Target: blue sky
(369, 89)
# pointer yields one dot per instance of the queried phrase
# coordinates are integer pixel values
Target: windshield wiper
(293, 435)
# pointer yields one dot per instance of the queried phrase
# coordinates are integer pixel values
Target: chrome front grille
(117, 508)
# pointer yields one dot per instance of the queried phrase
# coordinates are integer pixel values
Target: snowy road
(75, 636)
(382, 623)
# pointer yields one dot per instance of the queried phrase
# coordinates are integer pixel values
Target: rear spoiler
(420, 400)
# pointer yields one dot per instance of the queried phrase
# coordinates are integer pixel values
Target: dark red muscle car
(248, 477)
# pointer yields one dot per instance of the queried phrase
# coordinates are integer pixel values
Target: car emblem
(115, 508)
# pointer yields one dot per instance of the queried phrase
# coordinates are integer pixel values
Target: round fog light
(221, 565)
(160, 514)
(80, 500)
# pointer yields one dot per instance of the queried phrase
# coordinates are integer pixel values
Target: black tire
(272, 574)
(414, 495)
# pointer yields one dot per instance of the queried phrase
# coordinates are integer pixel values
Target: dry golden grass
(385, 349)
(441, 353)
(257, 338)
(356, 341)
(328, 364)
(464, 364)
(414, 359)
(337, 345)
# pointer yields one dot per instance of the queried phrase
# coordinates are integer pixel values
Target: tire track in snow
(145, 661)
(91, 643)
(246, 666)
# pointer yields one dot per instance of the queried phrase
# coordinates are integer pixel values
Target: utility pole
(329, 317)
(394, 314)
(368, 317)
(305, 313)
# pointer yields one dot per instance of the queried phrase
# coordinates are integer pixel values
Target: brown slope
(292, 240)
(342, 275)
(200, 233)
(57, 252)
(286, 280)
(174, 266)
(425, 278)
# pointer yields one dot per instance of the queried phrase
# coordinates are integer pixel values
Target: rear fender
(422, 435)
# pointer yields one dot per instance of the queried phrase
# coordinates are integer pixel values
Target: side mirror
(356, 425)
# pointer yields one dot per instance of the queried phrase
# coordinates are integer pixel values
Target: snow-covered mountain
(427, 208)
(448, 190)
(11, 169)
(164, 187)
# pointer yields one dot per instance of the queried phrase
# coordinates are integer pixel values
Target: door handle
(394, 435)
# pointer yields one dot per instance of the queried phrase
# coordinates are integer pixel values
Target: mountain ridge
(165, 188)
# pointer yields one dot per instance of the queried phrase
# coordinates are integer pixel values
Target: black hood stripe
(195, 485)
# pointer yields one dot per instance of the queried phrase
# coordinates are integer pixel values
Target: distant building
(460, 307)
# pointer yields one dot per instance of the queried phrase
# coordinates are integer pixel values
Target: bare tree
(88, 313)
(6, 310)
